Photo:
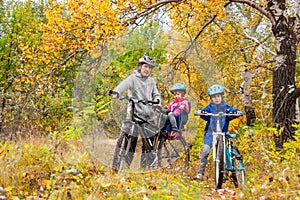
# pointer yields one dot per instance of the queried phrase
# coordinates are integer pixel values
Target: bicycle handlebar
(131, 99)
(217, 114)
(143, 101)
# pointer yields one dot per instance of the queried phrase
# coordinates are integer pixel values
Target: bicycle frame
(218, 134)
(230, 154)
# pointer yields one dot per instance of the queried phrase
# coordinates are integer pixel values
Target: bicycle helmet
(216, 89)
(178, 87)
(147, 60)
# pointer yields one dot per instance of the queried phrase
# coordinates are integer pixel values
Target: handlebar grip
(145, 102)
(155, 102)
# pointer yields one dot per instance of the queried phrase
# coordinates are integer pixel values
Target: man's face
(216, 99)
(146, 70)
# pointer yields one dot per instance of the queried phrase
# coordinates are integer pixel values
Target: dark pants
(146, 155)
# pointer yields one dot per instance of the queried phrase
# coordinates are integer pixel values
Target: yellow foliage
(75, 25)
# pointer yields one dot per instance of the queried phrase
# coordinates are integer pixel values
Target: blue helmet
(178, 87)
(216, 89)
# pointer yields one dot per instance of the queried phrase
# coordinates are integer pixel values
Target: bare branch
(150, 9)
(259, 43)
(184, 52)
(257, 7)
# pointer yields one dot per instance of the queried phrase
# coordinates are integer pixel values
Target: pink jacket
(174, 106)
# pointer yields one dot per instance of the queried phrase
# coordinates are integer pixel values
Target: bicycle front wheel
(238, 174)
(121, 153)
(219, 163)
(173, 154)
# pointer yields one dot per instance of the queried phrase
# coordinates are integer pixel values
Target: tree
(285, 27)
(286, 31)
(18, 36)
(84, 27)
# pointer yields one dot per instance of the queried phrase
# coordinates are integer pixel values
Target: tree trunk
(246, 98)
(284, 104)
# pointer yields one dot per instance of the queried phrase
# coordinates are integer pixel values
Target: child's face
(216, 99)
(178, 94)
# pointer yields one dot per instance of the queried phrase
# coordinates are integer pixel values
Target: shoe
(175, 135)
(199, 177)
(169, 135)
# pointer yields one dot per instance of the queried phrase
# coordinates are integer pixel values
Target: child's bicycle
(160, 152)
(228, 160)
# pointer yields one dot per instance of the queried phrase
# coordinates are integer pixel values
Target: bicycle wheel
(238, 174)
(219, 163)
(121, 152)
(147, 157)
(173, 154)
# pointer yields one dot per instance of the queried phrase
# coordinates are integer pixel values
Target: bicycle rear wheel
(219, 163)
(173, 154)
(238, 174)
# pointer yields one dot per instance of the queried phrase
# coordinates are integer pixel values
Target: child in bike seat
(217, 104)
(179, 109)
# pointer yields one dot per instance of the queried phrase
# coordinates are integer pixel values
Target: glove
(114, 94)
(228, 112)
(239, 113)
(201, 112)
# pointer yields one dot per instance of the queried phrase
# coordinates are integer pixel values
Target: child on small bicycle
(216, 105)
(179, 109)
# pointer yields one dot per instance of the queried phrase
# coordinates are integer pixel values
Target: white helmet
(147, 60)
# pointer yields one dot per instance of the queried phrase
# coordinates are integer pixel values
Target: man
(139, 85)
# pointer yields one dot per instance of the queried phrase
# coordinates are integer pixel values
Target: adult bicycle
(160, 150)
(227, 158)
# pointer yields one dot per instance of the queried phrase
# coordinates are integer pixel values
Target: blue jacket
(211, 121)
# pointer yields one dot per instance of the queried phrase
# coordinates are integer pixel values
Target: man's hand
(113, 94)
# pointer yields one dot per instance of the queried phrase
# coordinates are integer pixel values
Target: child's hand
(199, 112)
(182, 106)
(239, 113)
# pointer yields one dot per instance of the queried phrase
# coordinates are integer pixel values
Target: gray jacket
(140, 88)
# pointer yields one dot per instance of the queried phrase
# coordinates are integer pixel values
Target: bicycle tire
(238, 175)
(121, 152)
(173, 154)
(219, 163)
